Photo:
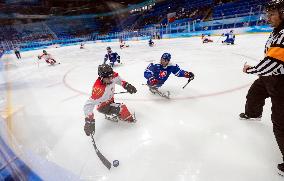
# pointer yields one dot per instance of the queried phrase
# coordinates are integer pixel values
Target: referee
(271, 77)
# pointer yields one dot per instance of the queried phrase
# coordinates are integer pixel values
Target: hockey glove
(89, 127)
(39, 57)
(189, 75)
(130, 88)
(153, 81)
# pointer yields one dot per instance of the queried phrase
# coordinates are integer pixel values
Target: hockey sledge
(162, 94)
(54, 64)
(115, 118)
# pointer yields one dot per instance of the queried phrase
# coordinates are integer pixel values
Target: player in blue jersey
(157, 74)
(112, 57)
(230, 38)
(151, 43)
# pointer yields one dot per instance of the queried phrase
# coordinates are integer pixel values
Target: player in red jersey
(103, 97)
(47, 57)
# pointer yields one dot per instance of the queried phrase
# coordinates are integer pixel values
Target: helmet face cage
(166, 56)
(105, 71)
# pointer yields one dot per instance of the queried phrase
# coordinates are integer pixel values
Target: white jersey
(102, 93)
(46, 56)
(205, 37)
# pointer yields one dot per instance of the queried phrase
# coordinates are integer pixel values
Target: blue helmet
(166, 56)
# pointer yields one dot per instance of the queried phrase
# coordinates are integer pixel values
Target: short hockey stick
(219, 39)
(124, 92)
(100, 155)
(187, 83)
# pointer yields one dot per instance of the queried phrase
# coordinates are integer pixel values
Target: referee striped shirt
(273, 63)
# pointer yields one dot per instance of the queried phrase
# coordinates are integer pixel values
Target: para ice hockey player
(103, 97)
(112, 57)
(230, 38)
(47, 57)
(17, 52)
(206, 38)
(151, 43)
(82, 46)
(157, 74)
(122, 44)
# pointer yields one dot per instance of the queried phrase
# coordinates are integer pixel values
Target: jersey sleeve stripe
(264, 66)
(270, 69)
(260, 66)
(280, 39)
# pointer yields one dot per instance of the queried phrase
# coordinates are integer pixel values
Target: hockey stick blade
(100, 155)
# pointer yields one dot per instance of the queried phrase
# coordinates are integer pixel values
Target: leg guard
(116, 109)
(125, 115)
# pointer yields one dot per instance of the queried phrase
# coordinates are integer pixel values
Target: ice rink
(194, 136)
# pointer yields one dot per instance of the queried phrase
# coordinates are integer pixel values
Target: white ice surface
(195, 136)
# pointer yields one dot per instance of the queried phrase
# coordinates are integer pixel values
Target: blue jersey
(230, 35)
(230, 38)
(161, 73)
(112, 57)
